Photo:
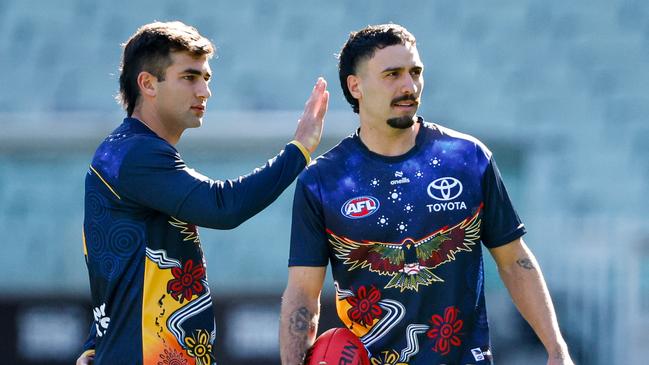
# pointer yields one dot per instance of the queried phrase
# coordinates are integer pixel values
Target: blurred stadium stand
(554, 88)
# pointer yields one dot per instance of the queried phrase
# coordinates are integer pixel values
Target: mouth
(198, 108)
(405, 103)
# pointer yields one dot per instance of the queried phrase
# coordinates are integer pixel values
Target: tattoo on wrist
(525, 263)
(300, 321)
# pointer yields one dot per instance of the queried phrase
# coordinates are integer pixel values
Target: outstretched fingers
(324, 105)
(316, 105)
(309, 129)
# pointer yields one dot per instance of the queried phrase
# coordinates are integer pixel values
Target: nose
(410, 85)
(204, 91)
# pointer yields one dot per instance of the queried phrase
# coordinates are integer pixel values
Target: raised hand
(309, 126)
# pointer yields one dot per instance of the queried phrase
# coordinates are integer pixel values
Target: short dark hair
(149, 49)
(362, 44)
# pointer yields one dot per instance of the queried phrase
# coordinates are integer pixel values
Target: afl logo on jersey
(360, 207)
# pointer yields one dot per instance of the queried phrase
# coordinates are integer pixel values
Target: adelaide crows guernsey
(403, 236)
(151, 299)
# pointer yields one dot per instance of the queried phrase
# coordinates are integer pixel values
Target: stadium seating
(557, 89)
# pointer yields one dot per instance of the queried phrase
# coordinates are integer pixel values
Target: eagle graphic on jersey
(409, 262)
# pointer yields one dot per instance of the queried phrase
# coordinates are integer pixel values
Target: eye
(189, 77)
(416, 72)
(392, 74)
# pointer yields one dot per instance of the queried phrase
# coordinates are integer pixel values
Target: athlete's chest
(394, 201)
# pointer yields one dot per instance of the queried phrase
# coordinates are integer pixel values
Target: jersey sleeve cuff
(90, 352)
(517, 233)
(308, 263)
(305, 152)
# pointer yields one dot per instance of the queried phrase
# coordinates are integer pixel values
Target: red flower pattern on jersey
(445, 330)
(364, 305)
(187, 281)
(172, 357)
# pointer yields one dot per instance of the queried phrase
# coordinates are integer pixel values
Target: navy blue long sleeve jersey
(151, 299)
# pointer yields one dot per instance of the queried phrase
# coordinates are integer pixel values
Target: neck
(384, 140)
(152, 120)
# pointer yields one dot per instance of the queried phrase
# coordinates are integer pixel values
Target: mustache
(408, 97)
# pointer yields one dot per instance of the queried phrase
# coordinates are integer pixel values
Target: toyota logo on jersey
(360, 207)
(445, 189)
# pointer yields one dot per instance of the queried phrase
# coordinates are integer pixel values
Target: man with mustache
(150, 295)
(401, 209)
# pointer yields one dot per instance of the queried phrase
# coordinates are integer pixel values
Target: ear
(354, 86)
(147, 83)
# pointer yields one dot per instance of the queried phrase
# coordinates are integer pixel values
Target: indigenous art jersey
(403, 236)
(151, 299)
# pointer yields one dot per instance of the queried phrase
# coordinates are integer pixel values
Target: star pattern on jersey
(402, 227)
(435, 162)
(382, 221)
(419, 174)
(395, 195)
(409, 263)
(408, 208)
(375, 182)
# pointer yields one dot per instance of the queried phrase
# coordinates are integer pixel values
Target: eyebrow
(391, 69)
(193, 71)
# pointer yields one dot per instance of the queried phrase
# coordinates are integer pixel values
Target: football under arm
(524, 280)
(300, 312)
(227, 204)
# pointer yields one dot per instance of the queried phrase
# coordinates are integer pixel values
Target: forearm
(298, 326)
(226, 204)
(524, 280)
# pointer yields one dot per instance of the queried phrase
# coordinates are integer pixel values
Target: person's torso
(404, 245)
(151, 300)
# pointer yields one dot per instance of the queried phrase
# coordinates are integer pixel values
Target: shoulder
(459, 138)
(331, 159)
(145, 145)
(122, 150)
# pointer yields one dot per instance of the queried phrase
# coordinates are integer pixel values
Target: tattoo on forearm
(300, 321)
(525, 263)
(296, 344)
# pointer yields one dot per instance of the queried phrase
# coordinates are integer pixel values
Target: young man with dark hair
(151, 300)
(400, 210)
